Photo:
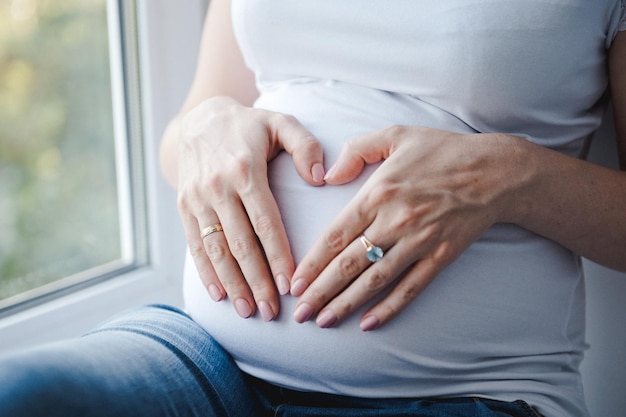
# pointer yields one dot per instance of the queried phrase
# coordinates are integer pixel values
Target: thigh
(154, 361)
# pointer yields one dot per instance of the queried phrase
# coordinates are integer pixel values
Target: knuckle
(277, 120)
(342, 308)
(265, 227)
(260, 289)
(242, 165)
(395, 130)
(443, 253)
(384, 191)
(306, 146)
(214, 184)
(197, 251)
(182, 202)
(428, 237)
(286, 118)
(407, 216)
(410, 293)
(277, 262)
(404, 217)
(376, 281)
(390, 310)
(216, 251)
(310, 142)
(335, 240)
(245, 175)
(241, 247)
(313, 269)
(348, 267)
(195, 194)
(317, 297)
(187, 197)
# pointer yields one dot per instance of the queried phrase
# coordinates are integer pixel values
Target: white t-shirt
(506, 320)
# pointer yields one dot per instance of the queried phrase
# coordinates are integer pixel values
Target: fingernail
(243, 308)
(303, 313)
(267, 314)
(318, 172)
(283, 284)
(326, 319)
(369, 323)
(298, 287)
(330, 172)
(215, 293)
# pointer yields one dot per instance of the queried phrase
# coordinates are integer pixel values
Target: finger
(201, 260)
(367, 286)
(355, 154)
(306, 151)
(341, 271)
(266, 221)
(229, 274)
(343, 230)
(407, 289)
(243, 250)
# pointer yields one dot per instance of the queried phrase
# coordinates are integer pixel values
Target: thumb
(305, 150)
(355, 154)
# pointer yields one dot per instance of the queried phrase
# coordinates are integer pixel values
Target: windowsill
(73, 314)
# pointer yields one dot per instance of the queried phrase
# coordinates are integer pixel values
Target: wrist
(514, 159)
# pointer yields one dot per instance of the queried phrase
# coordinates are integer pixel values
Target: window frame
(167, 38)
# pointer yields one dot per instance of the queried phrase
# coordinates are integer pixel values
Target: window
(149, 59)
(67, 216)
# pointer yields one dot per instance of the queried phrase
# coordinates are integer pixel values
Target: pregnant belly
(483, 319)
(486, 313)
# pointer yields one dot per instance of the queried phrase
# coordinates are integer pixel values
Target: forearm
(573, 202)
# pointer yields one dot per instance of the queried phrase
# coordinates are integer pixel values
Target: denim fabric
(155, 361)
(283, 402)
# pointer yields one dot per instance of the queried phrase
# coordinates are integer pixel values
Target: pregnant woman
(385, 204)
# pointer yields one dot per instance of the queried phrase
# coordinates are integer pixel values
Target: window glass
(59, 202)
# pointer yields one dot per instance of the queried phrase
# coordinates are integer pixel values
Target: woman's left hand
(435, 194)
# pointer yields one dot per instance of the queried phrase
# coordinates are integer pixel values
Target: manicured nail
(283, 284)
(303, 313)
(298, 287)
(330, 172)
(318, 173)
(326, 319)
(215, 293)
(243, 308)
(369, 323)
(267, 314)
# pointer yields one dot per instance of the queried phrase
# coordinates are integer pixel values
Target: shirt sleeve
(622, 21)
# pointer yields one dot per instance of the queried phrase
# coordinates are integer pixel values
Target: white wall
(604, 367)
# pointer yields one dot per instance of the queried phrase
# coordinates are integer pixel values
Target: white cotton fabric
(506, 320)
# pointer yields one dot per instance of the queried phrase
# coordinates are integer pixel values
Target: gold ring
(211, 229)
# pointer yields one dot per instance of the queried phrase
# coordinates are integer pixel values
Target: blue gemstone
(375, 254)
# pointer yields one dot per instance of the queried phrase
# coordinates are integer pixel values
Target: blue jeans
(155, 361)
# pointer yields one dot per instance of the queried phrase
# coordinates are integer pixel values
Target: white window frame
(168, 36)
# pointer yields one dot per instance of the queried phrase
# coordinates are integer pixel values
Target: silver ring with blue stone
(374, 253)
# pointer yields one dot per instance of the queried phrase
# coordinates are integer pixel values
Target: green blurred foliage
(58, 197)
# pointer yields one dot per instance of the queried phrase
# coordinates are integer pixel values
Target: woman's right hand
(223, 153)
